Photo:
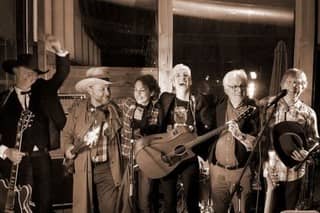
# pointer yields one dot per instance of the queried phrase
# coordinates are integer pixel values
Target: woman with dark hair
(141, 117)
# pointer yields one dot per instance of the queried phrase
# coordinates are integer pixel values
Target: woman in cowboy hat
(95, 122)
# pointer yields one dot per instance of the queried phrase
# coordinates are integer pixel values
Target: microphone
(280, 95)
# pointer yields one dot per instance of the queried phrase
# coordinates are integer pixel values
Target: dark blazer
(247, 126)
(45, 99)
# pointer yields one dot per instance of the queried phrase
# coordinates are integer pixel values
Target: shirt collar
(18, 90)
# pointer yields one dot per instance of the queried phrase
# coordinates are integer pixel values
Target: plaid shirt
(97, 133)
(305, 116)
(128, 107)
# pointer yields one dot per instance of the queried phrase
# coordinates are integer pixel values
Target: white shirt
(23, 98)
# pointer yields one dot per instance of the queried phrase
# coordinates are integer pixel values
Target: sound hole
(180, 150)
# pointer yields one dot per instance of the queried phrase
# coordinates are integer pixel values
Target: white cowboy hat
(95, 75)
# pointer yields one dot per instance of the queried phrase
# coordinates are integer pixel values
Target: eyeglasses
(235, 87)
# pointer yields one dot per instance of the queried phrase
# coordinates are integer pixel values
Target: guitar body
(158, 155)
(22, 198)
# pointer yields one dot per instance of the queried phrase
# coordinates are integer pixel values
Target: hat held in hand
(288, 136)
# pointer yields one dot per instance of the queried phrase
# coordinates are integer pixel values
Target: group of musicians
(106, 178)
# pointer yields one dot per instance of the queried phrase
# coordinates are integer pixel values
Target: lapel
(221, 113)
(13, 103)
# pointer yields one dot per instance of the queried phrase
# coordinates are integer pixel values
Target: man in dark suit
(33, 93)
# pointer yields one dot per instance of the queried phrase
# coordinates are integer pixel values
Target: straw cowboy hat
(23, 60)
(288, 136)
(96, 75)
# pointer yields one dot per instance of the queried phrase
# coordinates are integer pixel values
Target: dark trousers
(36, 171)
(286, 195)
(189, 174)
(107, 192)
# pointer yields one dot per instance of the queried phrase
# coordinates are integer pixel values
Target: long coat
(78, 123)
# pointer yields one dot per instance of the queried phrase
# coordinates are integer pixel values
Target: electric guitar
(14, 198)
(89, 140)
(159, 154)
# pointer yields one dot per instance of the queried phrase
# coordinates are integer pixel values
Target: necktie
(25, 98)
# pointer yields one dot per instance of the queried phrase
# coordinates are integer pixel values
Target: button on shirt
(305, 116)
(100, 128)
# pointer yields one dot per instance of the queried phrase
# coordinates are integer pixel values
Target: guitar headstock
(25, 120)
(247, 113)
(92, 136)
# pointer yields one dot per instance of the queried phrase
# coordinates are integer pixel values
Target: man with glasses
(291, 108)
(232, 147)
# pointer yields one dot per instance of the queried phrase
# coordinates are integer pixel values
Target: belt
(229, 167)
(37, 153)
(94, 164)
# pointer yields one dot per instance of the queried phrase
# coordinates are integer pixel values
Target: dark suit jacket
(44, 97)
(248, 126)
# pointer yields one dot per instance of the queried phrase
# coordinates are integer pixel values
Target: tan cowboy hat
(95, 75)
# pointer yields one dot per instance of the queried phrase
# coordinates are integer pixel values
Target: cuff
(62, 53)
(3, 149)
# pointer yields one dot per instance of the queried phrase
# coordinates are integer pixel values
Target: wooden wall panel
(165, 36)
(69, 26)
(58, 20)
(122, 78)
(62, 19)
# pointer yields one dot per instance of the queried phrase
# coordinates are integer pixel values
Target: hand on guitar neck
(14, 155)
(69, 154)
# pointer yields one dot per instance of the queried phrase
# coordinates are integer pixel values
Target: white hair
(181, 67)
(296, 73)
(235, 74)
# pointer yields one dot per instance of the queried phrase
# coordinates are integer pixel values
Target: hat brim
(83, 85)
(288, 136)
(9, 65)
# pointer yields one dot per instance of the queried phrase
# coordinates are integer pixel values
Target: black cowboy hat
(288, 136)
(25, 60)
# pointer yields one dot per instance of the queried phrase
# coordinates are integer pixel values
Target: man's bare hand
(233, 128)
(53, 44)
(68, 153)
(14, 155)
(299, 155)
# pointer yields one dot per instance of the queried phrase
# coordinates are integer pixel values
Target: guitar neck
(78, 147)
(206, 136)
(13, 174)
(13, 177)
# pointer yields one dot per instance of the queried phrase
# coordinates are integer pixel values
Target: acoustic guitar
(14, 198)
(159, 154)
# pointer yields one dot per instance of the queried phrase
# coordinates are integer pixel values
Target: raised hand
(53, 44)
